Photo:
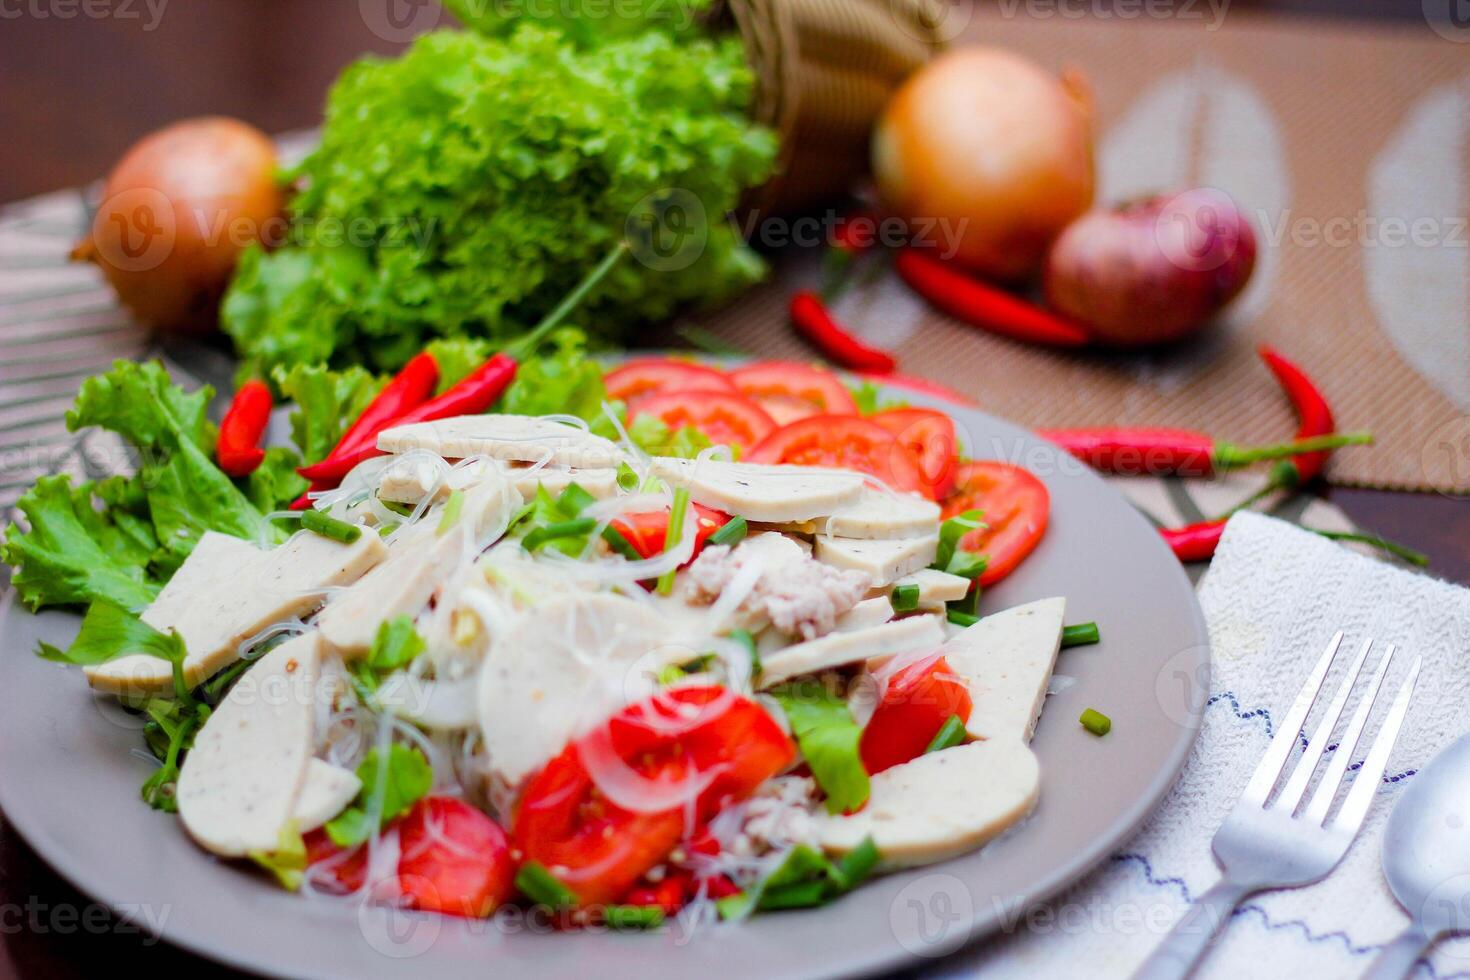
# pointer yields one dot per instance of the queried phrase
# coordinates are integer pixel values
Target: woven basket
(824, 70)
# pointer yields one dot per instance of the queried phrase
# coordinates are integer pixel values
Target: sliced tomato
(789, 391)
(647, 532)
(347, 870)
(919, 699)
(453, 859)
(845, 441)
(1016, 506)
(725, 418)
(599, 849)
(930, 437)
(657, 375)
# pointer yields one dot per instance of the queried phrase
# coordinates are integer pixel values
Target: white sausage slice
(935, 587)
(838, 649)
(325, 792)
(227, 591)
(1006, 659)
(520, 438)
(884, 561)
(878, 514)
(758, 492)
(940, 805)
(241, 780)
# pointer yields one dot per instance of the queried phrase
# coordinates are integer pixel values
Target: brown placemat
(1323, 133)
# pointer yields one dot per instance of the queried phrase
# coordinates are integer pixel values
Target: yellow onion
(175, 214)
(1153, 271)
(988, 155)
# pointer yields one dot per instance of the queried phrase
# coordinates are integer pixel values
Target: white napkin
(1273, 597)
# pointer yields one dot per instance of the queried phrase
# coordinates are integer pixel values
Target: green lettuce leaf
(75, 552)
(829, 740)
(564, 380)
(390, 785)
(326, 401)
(109, 631)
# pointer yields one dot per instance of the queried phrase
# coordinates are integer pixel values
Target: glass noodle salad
(665, 640)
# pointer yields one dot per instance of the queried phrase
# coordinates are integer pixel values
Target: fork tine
(1360, 797)
(1296, 786)
(1269, 769)
(1326, 791)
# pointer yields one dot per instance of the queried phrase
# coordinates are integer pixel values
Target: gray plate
(71, 777)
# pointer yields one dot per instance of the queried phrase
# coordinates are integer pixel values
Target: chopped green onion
(736, 906)
(800, 895)
(633, 916)
(561, 529)
(542, 887)
(672, 535)
(620, 544)
(627, 478)
(733, 532)
(329, 527)
(905, 598)
(452, 508)
(1080, 635)
(574, 500)
(962, 619)
(950, 734)
(1096, 722)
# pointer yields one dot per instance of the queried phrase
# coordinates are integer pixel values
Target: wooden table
(82, 88)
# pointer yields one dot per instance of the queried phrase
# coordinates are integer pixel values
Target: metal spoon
(1426, 859)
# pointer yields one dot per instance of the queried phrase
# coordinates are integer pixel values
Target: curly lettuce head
(464, 188)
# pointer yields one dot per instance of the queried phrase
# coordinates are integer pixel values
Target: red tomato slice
(789, 391)
(453, 859)
(931, 437)
(846, 441)
(1016, 506)
(657, 375)
(647, 532)
(597, 848)
(920, 698)
(726, 419)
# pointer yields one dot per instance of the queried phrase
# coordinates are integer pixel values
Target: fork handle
(1192, 935)
(1398, 957)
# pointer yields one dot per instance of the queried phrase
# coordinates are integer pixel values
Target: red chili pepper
(471, 396)
(1314, 418)
(1180, 452)
(408, 389)
(966, 298)
(815, 322)
(1194, 542)
(238, 449)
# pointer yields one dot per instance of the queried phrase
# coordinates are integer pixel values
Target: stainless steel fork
(1266, 843)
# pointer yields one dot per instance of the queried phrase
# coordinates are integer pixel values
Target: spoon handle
(1192, 935)
(1398, 957)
